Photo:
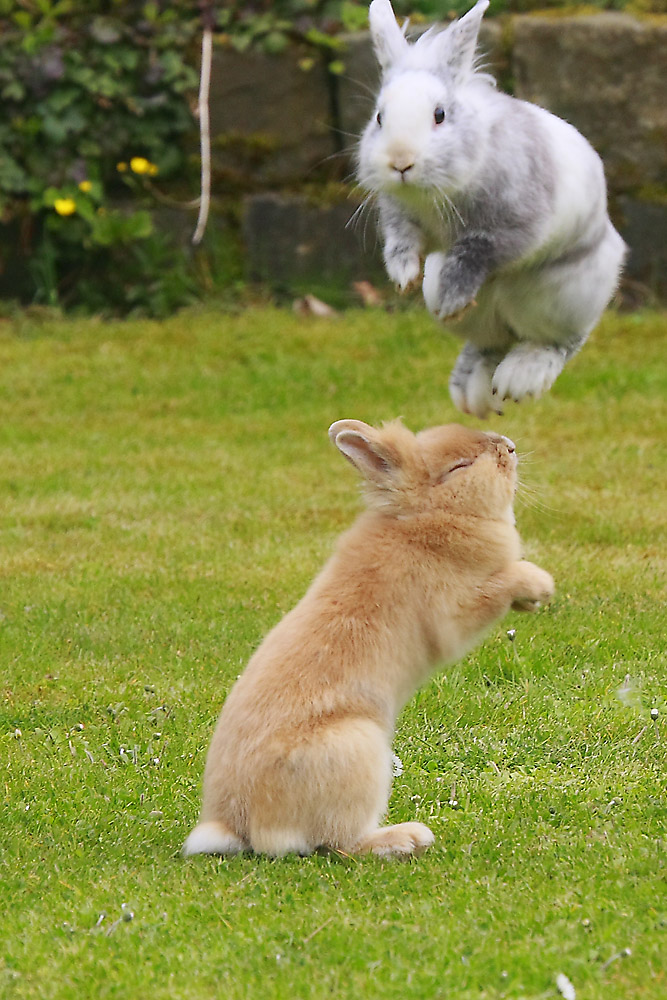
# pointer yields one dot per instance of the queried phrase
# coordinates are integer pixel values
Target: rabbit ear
(374, 458)
(458, 43)
(388, 40)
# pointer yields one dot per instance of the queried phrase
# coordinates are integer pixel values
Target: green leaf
(353, 16)
(13, 91)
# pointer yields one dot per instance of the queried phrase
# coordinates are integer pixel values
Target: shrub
(95, 106)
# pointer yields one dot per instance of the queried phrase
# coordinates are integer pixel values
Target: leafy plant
(82, 92)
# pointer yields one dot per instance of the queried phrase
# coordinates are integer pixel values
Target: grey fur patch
(466, 266)
(517, 192)
(467, 360)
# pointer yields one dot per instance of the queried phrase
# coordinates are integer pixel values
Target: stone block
(643, 226)
(297, 245)
(605, 74)
(270, 116)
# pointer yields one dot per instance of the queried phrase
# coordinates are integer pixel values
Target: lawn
(167, 493)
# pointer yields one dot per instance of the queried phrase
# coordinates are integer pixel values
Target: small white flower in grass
(397, 765)
(565, 987)
(511, 634)
(654, 714)
(624, 953)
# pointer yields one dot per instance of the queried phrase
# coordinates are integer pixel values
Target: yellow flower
(85, 186)
(140, 165)
(121, 167)
(65, 206)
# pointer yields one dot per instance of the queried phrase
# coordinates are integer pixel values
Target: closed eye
(463, 464)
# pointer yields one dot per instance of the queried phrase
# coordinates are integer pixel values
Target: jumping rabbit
(504, 203)
(301, 757)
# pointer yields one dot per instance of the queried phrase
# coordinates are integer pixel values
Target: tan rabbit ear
(374, 458)
(349, 425)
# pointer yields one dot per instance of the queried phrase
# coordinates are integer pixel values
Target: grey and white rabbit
(301, 755)
(506, 202)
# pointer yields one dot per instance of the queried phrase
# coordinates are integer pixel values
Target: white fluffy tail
(212, 838)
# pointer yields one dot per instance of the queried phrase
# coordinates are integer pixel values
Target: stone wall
(284, 129)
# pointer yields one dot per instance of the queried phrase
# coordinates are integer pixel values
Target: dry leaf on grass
(310, 305)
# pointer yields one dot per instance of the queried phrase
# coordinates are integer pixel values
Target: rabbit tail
(212, 838)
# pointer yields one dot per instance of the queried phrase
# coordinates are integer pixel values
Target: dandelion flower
(65, 206)
(121, 167)
(140, 165)
(85, 186)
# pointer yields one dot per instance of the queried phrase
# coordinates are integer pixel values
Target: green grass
(167, 493)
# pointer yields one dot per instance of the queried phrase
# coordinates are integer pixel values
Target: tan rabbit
(301, 756)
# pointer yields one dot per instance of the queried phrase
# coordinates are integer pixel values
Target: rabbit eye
(463, 464)
(378, 119)
(439, 116)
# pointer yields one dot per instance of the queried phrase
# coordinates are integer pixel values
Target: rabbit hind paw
(399, 841)
(470, 385)
(528, 370)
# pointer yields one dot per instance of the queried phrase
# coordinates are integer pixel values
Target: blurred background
(100, 158)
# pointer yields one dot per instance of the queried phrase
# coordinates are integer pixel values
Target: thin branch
(204, 134)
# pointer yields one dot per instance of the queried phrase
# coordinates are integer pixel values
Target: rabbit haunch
(301, 755)
(506, 203)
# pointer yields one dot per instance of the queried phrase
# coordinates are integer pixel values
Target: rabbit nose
(509, 444)
(402, 170)
(402, 163)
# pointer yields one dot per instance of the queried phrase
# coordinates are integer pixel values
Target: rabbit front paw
(403, 265)
(534, 587)
(442, 297)
(528, 370)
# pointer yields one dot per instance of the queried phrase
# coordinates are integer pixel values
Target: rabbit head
(443, 469)
(425, 130)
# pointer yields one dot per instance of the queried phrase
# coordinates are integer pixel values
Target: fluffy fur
(506, 202)
(301, 756)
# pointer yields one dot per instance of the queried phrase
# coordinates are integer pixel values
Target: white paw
(431, 283)
(528, 370)
(443, 301)
(471, 390)
(400, 841)
(403, 269)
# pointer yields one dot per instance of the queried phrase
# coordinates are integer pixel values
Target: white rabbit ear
(389, 41)
(460, 41)
(373, 458)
